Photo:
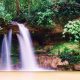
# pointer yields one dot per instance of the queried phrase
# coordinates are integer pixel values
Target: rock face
(77, 67)
(51, 62)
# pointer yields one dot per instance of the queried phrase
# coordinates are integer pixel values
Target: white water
(6, 52)
(9, 37)
(27, 56)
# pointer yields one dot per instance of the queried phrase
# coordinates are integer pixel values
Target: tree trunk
(79, 43)
(17, 7)
(29, 3)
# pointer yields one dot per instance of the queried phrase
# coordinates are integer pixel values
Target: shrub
(67, 47)
(71, 56)
(73, 27)
(65, 53)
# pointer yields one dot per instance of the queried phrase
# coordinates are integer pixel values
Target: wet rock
(51, 62)
(65, 62)
(55, 62)
(44, 61)
(77, 67)
(65, 68)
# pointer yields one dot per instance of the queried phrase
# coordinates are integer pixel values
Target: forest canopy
(41, 13)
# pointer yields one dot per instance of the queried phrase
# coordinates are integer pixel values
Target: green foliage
(73, 27)
(10, 6)
(3, 13)
(64, 47)
(65, 12)
(44, 19)
(23, 5)
(70, 55)
(40, 4)
(41, 14)
(67, 51)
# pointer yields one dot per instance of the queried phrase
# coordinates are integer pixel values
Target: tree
(29, 7)
(17, 7)
(41, 13)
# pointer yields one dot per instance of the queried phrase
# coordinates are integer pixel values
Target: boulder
(77, 67)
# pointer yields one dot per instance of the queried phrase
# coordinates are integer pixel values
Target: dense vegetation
(40, 13)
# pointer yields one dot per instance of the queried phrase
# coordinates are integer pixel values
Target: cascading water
(27, 56)
(9, 37)
(6, 52)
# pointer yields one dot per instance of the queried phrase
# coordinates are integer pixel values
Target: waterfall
(6, 52)
(27, 56)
